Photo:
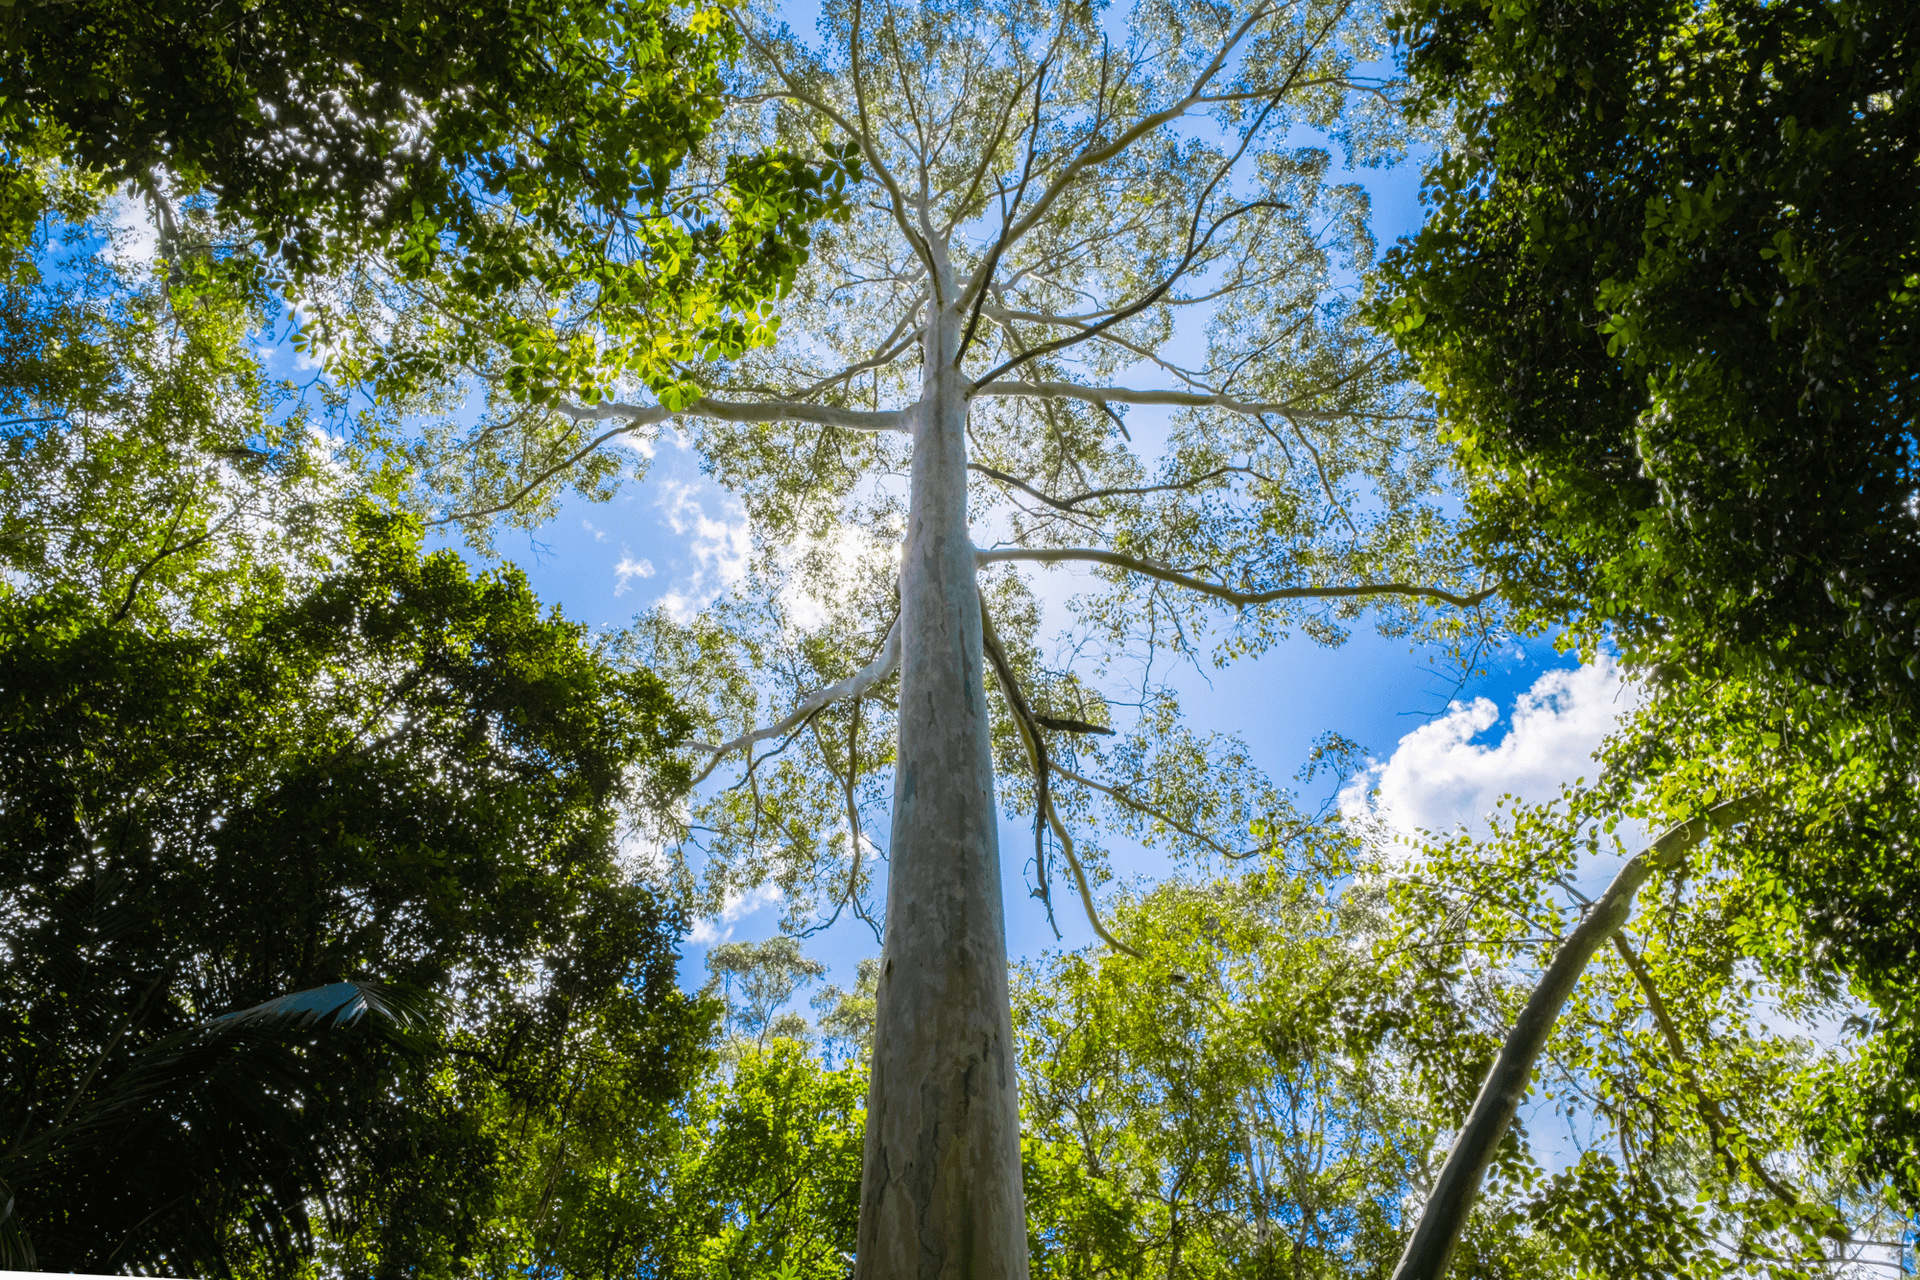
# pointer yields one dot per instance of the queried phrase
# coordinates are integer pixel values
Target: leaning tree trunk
(940, 1193)
(1430, 1247)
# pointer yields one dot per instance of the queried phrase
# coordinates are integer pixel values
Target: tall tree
(1047, 199)
(401, 775)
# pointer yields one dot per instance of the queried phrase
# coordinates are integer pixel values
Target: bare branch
(633, 416)
(1120, 795)
(852, 687)
(533, 484)
(1080, 882)
(1129, 395)
(853, 829)
(1165, 573)
(1099, 155)
(892, 349)
(962, 205)
(976, 288)
(1005, 317)
(826, 415)
(1092, 495)
(1036, 745)
(1037, 759)
(859, 134)
(1153, 295)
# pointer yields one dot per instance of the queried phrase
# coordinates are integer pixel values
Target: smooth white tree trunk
(941, 1195)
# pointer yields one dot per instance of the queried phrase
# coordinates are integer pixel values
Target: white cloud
(720, 550)
(1439, 777)
(600, 535)
(706, 933)
(627, 570)
(641, 443)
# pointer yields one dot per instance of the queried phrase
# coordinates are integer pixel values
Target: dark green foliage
(1667, 298)
(404, 775)
(1621, 1225)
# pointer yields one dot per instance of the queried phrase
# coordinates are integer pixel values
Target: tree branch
(1153, 295)
(853, 830)
(975, 290)
(147, 566)
(826, 415)
(1024, 720)
(852, 687)
(890, 351)
(1710, 1112)
(1165, 573)
(1138, 806)
(1128, 395)
(859, 134)
(1068, 504)
(1098, 155)
(1029, 725)
(632, 416)
(1080, 883)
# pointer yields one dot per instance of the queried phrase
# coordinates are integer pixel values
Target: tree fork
(940, 1193)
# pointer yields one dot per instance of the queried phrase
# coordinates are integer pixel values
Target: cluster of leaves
(1666, 298)
(585, 1166)
(484, 152)
(1229, 1104)
(150, 462)
(1826, 891)
(402, 775)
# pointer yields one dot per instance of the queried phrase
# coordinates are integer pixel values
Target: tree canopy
(488, 147)
(1665, 300)
(405, 776)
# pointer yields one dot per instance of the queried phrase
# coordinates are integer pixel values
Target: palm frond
(344, 1002)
